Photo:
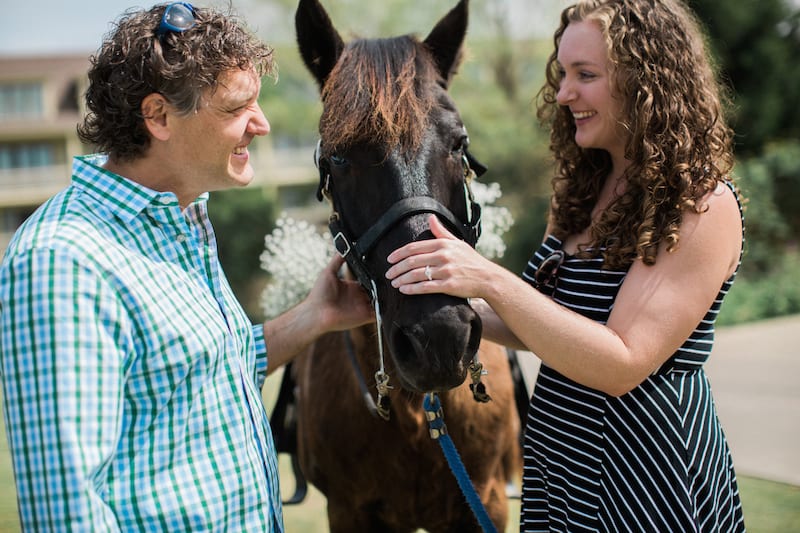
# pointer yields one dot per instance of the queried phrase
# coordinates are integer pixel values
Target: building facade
(41, 105)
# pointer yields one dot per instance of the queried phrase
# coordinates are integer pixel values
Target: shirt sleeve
(261, 354)
(63, 352)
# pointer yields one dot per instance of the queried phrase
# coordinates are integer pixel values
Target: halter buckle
(341, 244)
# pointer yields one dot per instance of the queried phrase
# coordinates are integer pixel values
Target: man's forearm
(288, 334)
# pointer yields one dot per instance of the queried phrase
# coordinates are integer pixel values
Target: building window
(26, 155)
(21, 100)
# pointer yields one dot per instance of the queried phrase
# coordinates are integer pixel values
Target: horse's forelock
(379, 91)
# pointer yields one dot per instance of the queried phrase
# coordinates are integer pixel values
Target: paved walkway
(754, 371)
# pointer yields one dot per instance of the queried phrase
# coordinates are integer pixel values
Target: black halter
(355, 250)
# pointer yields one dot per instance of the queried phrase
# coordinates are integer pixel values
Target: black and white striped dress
(654, 459)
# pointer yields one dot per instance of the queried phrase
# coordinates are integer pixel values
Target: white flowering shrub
(294, 255)
(495, 220)
(295, 252)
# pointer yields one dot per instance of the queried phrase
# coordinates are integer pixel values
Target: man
(131, 374)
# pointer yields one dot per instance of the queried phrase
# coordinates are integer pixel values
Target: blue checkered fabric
(131, 374)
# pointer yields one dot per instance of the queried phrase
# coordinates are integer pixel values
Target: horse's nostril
(402, 346)
(433, 354)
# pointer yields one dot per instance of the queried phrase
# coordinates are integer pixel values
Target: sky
(34, 27)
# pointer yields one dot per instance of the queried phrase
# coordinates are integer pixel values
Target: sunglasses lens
(179, 16)
(546, 272)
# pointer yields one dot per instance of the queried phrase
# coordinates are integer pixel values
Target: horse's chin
(424, 384)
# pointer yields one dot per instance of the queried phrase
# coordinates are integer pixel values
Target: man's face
(211, 144)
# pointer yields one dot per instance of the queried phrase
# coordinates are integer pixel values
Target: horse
(393, 149)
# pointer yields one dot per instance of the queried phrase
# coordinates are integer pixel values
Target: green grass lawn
(769, 507)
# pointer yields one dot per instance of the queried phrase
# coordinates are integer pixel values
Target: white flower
(295, 252)
(495, 221)
(294, 255)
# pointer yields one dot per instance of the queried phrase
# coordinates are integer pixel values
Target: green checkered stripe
(131, 374)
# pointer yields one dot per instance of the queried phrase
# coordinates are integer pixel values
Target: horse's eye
(461, 144)
(338, 160)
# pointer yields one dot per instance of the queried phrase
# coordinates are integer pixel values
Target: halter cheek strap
(355, 251)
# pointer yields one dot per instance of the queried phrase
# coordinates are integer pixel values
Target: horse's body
(392, 476)
(393, 144)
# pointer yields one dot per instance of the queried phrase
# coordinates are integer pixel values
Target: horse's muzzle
(432, 352)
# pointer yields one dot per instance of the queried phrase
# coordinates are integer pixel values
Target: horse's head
(393, 151)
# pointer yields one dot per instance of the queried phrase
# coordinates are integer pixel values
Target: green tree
(757, 43)
(783, 161)
(241, 218)
(767, 231)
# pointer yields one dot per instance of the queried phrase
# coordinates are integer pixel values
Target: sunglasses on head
(545, 275)
(178, 17)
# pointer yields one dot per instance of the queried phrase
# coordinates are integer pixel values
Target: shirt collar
(126, 198)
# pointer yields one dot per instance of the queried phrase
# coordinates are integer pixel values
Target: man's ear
(154, 112)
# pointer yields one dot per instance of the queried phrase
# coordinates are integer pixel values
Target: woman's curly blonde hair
(673, 108)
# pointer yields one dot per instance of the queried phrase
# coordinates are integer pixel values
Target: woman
(644, 239)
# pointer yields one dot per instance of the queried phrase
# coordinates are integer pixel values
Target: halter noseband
(355, 250)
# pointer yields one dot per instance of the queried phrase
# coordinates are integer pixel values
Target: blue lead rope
(438, 430)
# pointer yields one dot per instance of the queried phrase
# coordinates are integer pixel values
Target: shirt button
(181, 237)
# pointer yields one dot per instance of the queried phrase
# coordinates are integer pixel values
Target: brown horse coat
(392, 476)
(390, 137)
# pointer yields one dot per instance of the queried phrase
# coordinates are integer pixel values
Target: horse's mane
(377, 93)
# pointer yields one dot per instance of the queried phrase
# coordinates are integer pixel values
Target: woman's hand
(445, 264)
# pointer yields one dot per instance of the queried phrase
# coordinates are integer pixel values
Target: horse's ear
(446, 38)
(320, 43)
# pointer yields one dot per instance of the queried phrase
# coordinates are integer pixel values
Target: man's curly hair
(134, 62)
(673, 109)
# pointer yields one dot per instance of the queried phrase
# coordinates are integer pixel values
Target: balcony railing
(283, 166)
(273, 168)
(30, 186)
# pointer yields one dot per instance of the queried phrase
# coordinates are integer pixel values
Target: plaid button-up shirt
(131, 374)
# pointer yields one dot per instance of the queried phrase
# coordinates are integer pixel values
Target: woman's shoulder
(725, 199)
(718, 224)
